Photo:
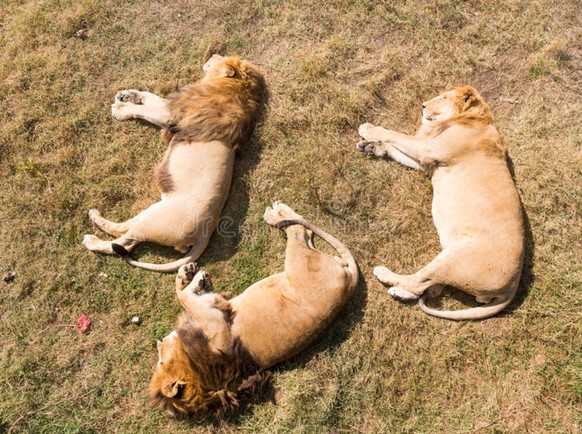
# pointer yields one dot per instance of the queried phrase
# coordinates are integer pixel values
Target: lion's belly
(201, 169)
(200, 176)
(275, 322)
(479, 203)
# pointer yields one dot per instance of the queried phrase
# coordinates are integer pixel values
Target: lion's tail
(474, 313)
(193, 254)
(340, 247)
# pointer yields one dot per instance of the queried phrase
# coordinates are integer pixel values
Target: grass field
(383, 366)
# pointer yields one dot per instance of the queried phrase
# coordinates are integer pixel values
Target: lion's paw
(366, 131)
(94, 214)
(386, 276)
(204, 283)
(377, 149)
(91, 241)
(130, 95)
(186, 273)
(119, 111)
(280, 212)
(402, 294)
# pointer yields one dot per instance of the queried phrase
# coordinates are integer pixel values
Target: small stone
(102, 274)
(81, 33)
(136, 320)
(9, 277)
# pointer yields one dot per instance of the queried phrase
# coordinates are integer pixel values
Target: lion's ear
(229, 71)
(469, 97)
(173, 389)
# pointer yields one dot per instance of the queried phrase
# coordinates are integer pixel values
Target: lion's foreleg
(383, 149)
(403, 147)
(158, 115)
(131, 103)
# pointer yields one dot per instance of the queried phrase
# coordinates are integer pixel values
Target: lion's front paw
(372, 133)
(129, 95)
(365, 131)
(186, 274)
(377, 149)
(119, 111)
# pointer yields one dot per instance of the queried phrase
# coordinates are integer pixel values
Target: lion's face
(189, 374)
(193, 378)
(462, 99)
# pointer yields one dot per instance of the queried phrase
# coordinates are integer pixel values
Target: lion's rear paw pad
(186, 272)
(204, 283)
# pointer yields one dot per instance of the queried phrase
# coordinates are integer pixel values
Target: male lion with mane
(476, 207)
(204, 124)
(220, 348)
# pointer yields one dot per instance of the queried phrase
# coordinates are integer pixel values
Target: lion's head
(225, 105)
(192, 378)
(463, 102)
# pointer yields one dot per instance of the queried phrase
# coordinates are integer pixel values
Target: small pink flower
(83, 323)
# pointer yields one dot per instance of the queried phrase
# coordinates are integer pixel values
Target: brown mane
(225, 109)
(203, 380)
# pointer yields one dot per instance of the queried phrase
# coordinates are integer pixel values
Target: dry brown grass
(383, 366)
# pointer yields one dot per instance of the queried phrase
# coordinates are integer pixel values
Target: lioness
(476, 207)
(220, 348)
(204, 124)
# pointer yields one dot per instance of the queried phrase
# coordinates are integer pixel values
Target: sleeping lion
(476, 207)
(204, 124)
(220, 348)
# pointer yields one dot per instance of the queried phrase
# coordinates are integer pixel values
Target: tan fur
(221, 348)
(476, 207)
(204, 124)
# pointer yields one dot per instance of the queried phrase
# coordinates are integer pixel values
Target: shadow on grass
(225, 240)
(527, 276)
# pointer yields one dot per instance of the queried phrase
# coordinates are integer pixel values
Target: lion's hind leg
(95, 244)
(305, 267)
(107, 226)
(404, 287)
